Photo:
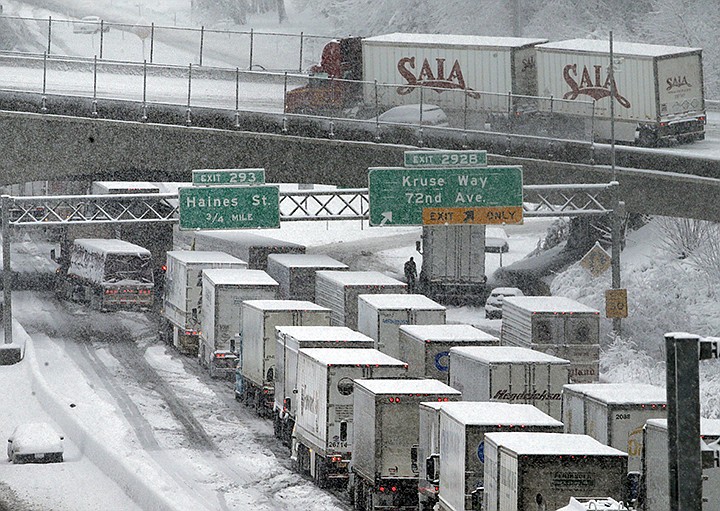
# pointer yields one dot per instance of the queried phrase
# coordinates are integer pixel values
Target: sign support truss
(302, 205)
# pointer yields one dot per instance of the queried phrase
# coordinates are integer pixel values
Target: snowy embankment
(665, 294)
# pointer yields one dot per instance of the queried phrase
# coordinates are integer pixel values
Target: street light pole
(616, 206)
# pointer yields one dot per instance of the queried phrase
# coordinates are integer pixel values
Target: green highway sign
(215, 177)
(409, 196)
(445, 158)
(229, 207)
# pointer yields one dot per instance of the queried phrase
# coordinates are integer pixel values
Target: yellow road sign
(616, 305)
(596, 261)
(464, 216)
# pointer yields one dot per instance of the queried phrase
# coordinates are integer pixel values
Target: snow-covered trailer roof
(359, 278)
(398, 301)
(324, 333)
(110, 246)
(407, 386)
(306, 261)
(505, 354)
(549, 304)
(620, 393)
(469, 41)
(708, 427)
(202, 256)
(352, 356)
(284, 305)
(475, 413)
(238, 277)
(447, 333)
(548, 444)
(113, 187)
(620, 49)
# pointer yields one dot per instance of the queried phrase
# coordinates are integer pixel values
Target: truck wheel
(369, 506)
(358, 497)
(320, 472)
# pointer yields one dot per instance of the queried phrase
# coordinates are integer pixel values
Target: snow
(203, 257)
(392, 301)
(407, 386)
(324, 333)
(36, 438)
(708, 427)
(306, 261)
(552, 305)
(111, 246)
(474, 41)
(493, 414)
(284, 305)
(351, 357)
(619, 393)
(548, 444)
(619, 48)
(457, 333)
(238, 277)
(504, 355)
(357, 278)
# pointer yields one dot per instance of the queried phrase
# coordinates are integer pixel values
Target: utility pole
(616, 205)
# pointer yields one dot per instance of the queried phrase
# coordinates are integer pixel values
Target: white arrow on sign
(386, 217)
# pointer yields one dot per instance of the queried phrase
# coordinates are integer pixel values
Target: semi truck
(223, 291)
(385, 464)
(322, 442)
(556, 325)
(654, 488)
(426, 348)
(289, 340)
(428, 447)
(659, 92)
(255, 372)
(461, 455)
(377, 73)
(296, 273)
(531, 471)
(453, 264)
(614, 414)
(108, 274)
(339, 291)
(511, 375)
(380, 317)
(183, 292)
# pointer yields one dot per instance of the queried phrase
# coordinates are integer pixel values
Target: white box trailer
(453, 68)
(183, 292)
(296, 273)
(255, 373)
(386, 419)
(654, 491)
(428, 447)
(558, 326)
(323, 438)
(290, 339)
(659, 89)
(509, 374)
(614, 414)
(463, 427)
(339, 290)
(426, 348)
(531, 471)
(380, 317)
(223, 291)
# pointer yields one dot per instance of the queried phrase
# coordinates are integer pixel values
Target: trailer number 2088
(620, 416)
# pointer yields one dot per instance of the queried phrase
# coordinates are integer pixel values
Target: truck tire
(321, 479)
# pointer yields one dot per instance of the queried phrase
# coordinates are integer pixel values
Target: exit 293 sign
(419, 196)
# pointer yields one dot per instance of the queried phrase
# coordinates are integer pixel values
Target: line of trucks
(478, 80)
(372, 391)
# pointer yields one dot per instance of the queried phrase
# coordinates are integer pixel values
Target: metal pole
(102, 36)
(237, 97)
(94, 101)
(144, 92)
(285, 94)
(202, 42)
(44, 83)
(152, 40)
(670, 380)
(49, 33)
(616, 220)
(301, 51)
(7, 276)
(188, 119)
(252, 41)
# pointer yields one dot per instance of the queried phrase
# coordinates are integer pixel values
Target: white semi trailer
(531, 471)
(613, 413)
(289, 340)
(183, 292)
(324, 429)
(255, 372)
(385, 464)
(380, 317)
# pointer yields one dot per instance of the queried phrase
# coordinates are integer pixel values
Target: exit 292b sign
(229, 207)
(414, 196)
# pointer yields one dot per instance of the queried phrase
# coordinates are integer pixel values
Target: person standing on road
(410, 274)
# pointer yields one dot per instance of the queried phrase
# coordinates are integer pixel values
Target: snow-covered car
(90, 25)
(35, 442)
(496, 240)
(493, 305)
(432, 115)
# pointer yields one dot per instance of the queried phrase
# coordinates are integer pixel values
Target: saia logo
(432, 78)
(593, 86)
(677, 81)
